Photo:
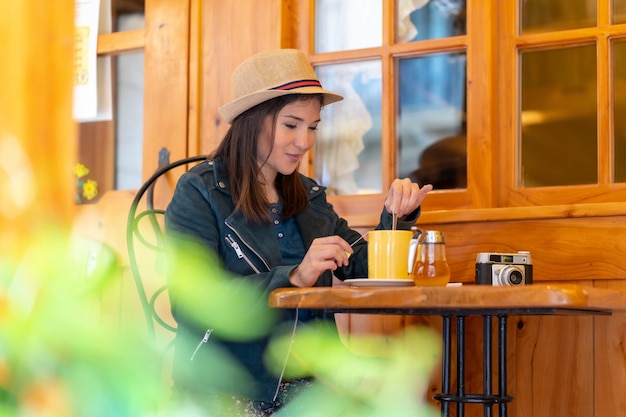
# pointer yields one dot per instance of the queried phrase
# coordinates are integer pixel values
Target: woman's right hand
(325, 253)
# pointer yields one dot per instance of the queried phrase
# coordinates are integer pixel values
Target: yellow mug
(388, 254)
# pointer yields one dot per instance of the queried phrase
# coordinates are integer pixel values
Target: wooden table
(460, 302)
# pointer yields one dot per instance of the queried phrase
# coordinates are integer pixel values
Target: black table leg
(487, 398)
(487, 385)
(445, 366)
(502, 365)
(460, 366)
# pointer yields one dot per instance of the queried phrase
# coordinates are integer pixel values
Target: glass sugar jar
(431, 266)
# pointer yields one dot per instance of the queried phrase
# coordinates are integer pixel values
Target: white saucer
(373, 282)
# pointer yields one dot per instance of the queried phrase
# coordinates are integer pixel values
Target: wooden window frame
(512, 44)
(363, 209)
(492, 46)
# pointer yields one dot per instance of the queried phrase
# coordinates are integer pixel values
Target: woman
(266, 222)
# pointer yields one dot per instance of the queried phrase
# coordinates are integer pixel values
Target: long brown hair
(238, 151)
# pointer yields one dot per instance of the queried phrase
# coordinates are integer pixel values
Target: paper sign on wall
(92, 75)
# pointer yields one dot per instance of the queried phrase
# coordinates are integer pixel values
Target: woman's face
(296, 126)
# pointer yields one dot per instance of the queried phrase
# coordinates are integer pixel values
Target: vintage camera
(510, 269)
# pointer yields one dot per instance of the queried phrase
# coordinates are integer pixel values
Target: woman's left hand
(405, 196)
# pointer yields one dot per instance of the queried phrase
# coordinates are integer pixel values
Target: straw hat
(271, 74)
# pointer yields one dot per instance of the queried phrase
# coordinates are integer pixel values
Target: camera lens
(515, 277)
(511, 275)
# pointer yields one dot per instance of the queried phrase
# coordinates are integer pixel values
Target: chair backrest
(144, 220)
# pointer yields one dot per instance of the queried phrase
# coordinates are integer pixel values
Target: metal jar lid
(433, 236)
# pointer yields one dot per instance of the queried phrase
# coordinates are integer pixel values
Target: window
(619, 108)
(564, 60)
(404, 84)
(499, 104)
(112, 150)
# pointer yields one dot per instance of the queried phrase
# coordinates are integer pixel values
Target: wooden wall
(559, 366)
(231, 32)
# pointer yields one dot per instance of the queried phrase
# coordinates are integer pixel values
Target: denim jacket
(202, 210)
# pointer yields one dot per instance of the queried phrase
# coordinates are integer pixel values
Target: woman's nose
(305, 140)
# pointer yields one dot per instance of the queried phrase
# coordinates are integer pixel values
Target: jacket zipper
(204, 340)
(240, 253)
(243, 256)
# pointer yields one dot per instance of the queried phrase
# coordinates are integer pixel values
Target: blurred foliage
(392, 380)
(232, 306)
(62, 356)
(59, 356)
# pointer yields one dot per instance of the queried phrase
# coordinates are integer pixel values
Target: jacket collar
(221, 180)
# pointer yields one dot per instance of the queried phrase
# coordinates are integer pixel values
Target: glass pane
(348, 150)
(619, 95)
(551, 15)
(431, 121)
(619, 11)
(424, 19)
(559, 121)
(123, 7)
(348, 24)
(129, 111)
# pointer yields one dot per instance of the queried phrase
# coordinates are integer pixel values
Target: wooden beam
(119, 42)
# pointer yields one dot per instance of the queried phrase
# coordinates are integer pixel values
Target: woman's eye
(290, 126)
(313, 128)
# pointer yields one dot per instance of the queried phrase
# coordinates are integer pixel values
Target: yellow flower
(81, 170)
(90, 189)
(84, 187)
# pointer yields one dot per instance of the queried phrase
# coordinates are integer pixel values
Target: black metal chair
(150, 220)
